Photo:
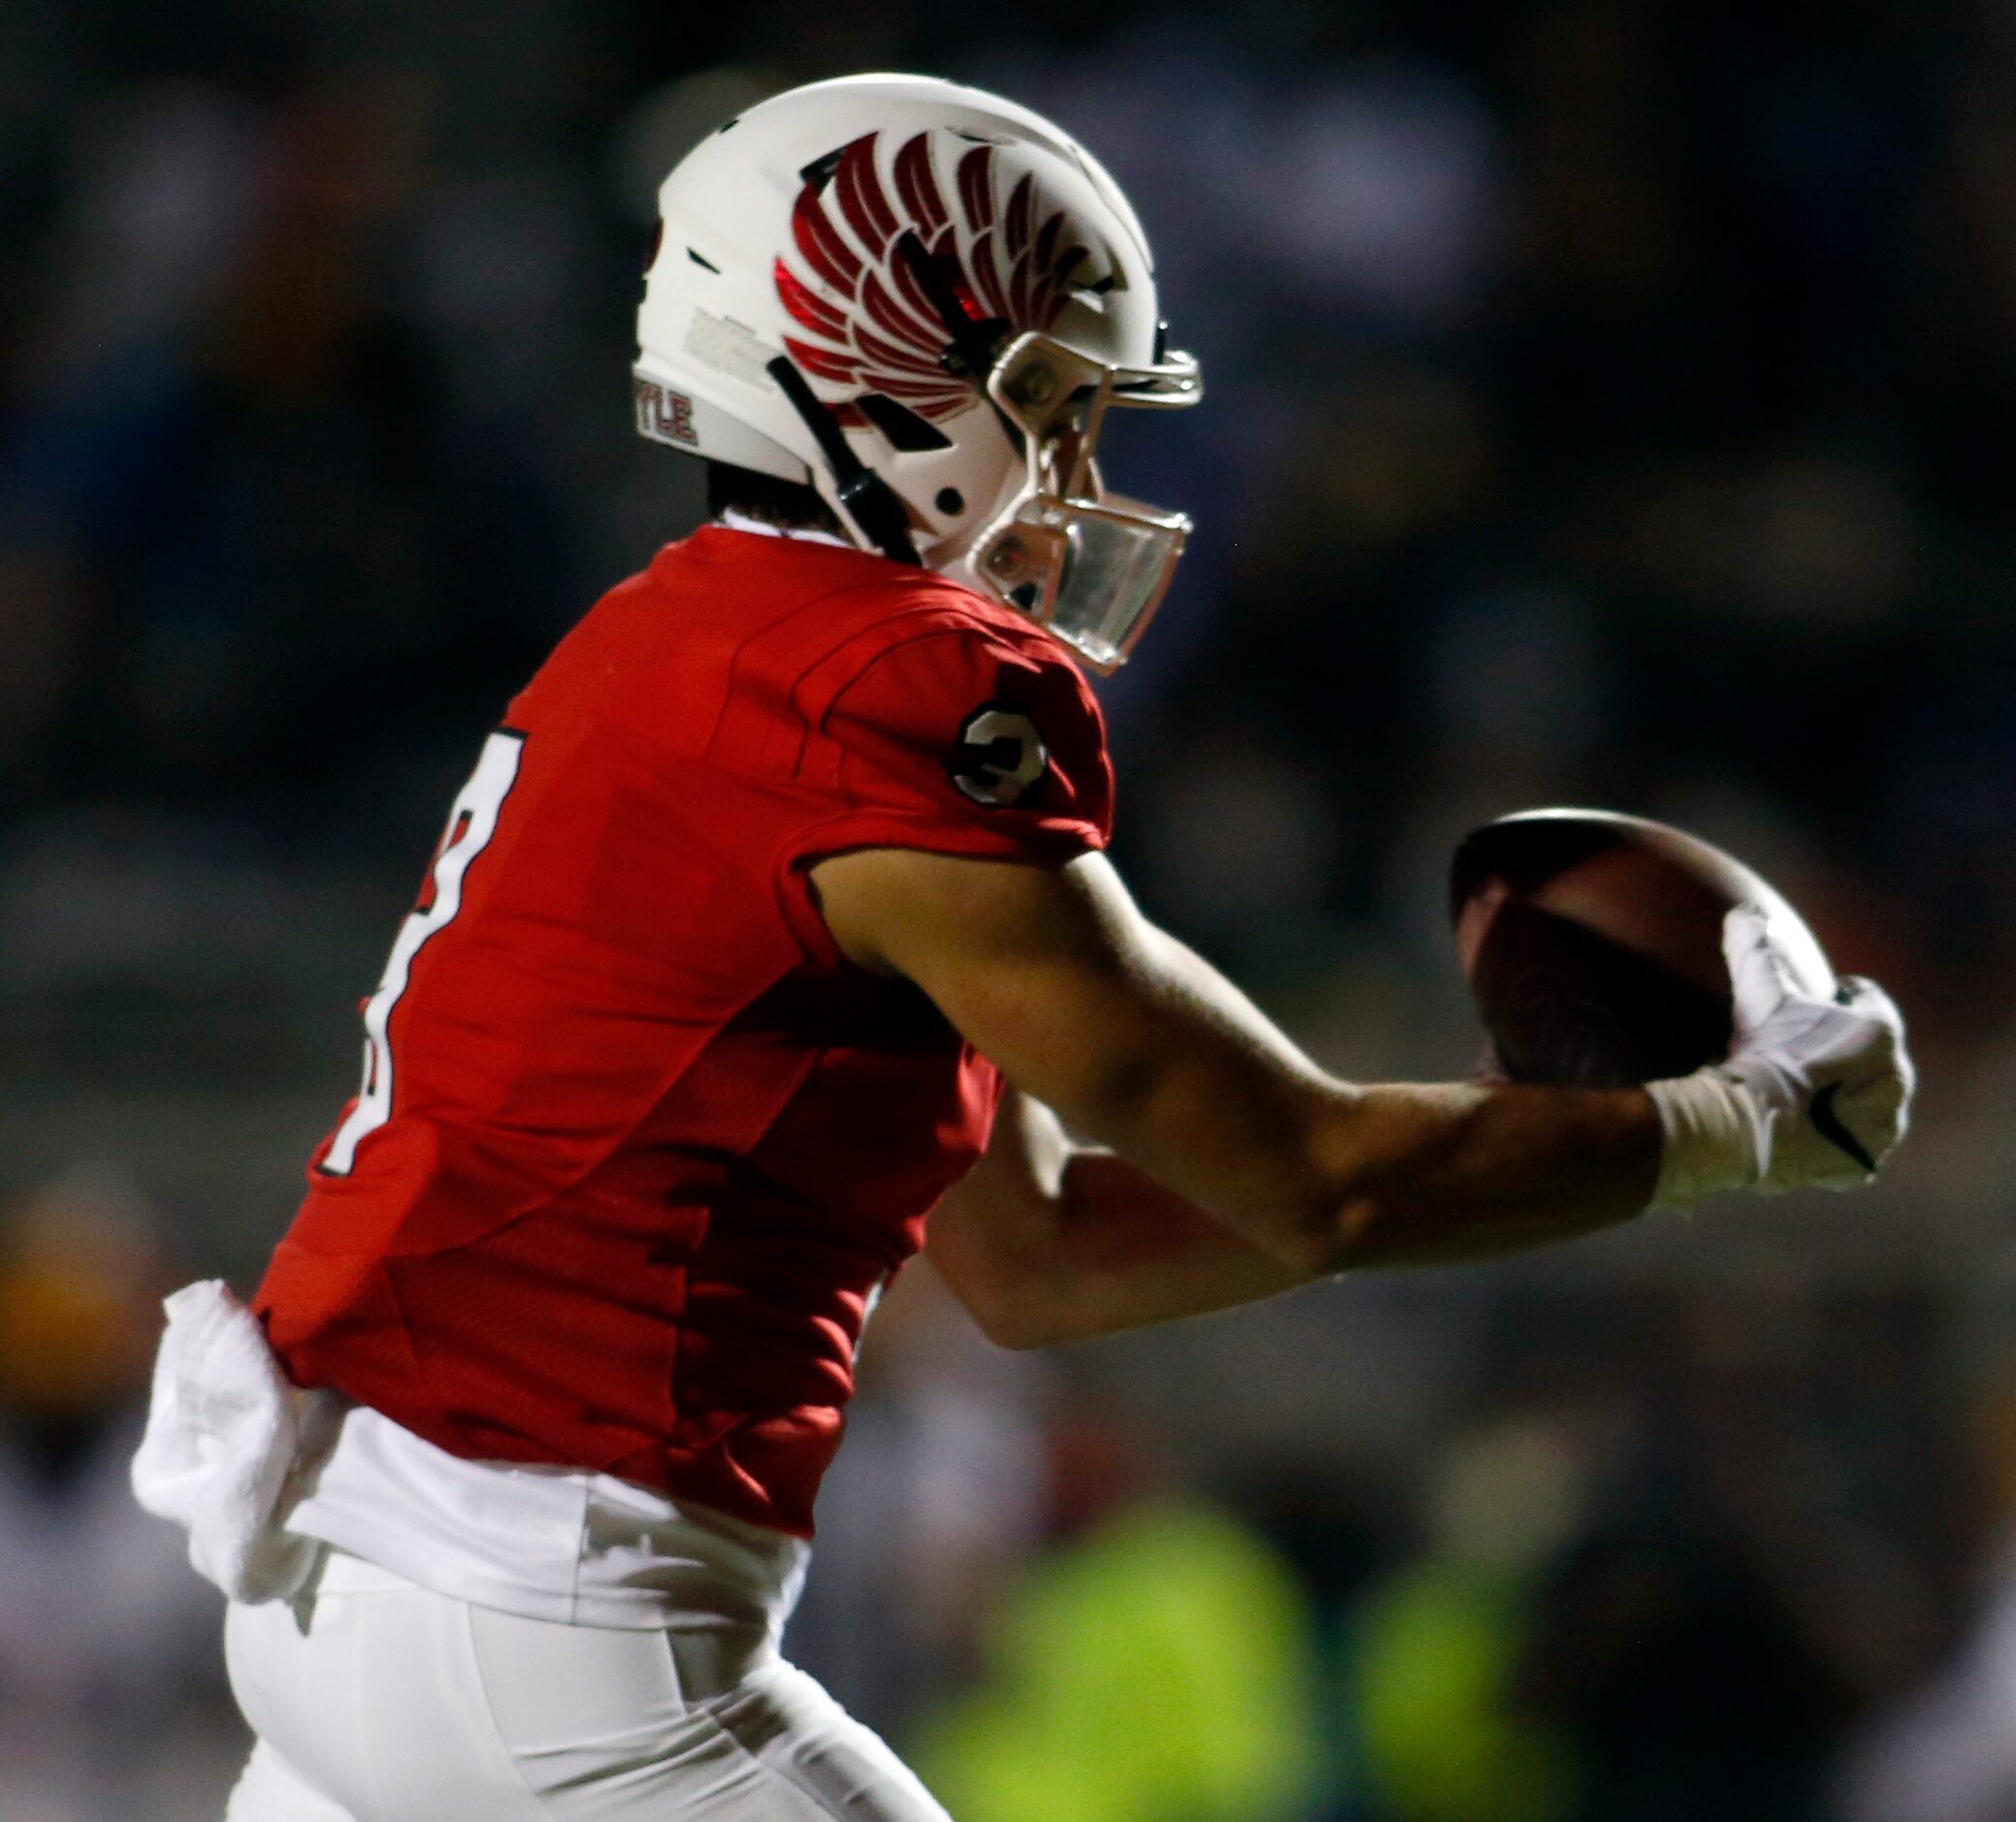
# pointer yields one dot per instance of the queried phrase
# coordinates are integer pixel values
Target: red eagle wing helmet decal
(846, 227)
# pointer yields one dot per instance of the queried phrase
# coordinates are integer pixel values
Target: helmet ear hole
(951, 502)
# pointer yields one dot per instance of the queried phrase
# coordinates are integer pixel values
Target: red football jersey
(635, 1145)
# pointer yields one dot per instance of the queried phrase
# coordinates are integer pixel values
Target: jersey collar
(741, 522)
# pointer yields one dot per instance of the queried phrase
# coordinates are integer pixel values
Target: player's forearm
(1429, 1173)
(1084, 1244)
(1126, 1254)
(1398, 1175)
(1329, 1176)
(1049, 1242)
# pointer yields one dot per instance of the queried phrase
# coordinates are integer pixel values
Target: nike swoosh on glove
(1833, 1079)
(1815, 1092)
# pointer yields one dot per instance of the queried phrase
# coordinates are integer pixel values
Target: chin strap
(863, 495)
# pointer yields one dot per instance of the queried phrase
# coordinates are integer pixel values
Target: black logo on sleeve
(999, 756)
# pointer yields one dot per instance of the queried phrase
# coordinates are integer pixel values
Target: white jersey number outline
(472, 822)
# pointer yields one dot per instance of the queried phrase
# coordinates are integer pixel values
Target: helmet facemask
(1090, 565)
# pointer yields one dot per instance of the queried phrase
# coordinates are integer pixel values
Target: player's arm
(1054, 974)
(1223, 1124)
(1048, 1240)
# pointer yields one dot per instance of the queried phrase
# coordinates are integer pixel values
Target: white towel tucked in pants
(377, 1701)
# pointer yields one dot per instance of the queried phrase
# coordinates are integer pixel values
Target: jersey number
(1001, 755)
(470, 824)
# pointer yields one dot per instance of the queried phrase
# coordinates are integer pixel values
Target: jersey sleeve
(960, 741)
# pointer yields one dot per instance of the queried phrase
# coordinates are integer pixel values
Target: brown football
(1593, 944)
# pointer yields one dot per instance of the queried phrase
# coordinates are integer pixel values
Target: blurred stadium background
(1611, 400)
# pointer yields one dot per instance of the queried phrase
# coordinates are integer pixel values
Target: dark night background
(1608, 401)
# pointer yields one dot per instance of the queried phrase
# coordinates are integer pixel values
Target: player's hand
(1815, 1092)
(1831, 1080)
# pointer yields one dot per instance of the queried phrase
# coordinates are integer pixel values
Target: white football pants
(377, 1701)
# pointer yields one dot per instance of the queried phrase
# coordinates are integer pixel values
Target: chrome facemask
(1091, 565)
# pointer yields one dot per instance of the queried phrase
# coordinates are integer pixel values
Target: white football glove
(1815, 1092)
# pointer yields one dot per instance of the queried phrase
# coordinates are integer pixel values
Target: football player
(771, 940)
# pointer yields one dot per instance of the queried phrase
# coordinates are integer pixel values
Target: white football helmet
(921, 299)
